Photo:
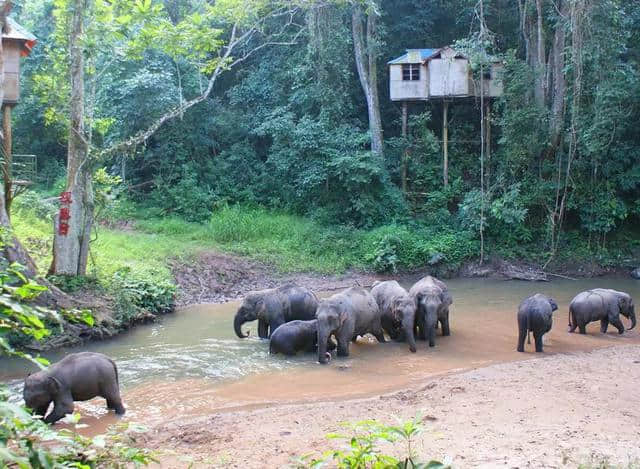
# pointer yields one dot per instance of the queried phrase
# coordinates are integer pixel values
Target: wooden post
(488, 138)
(7, 156)
(405, 156)
(445, 144)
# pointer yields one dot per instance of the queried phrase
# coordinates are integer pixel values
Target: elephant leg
(379, 336)
(354, 339)
(445, 326)
(604, 324)
(522, 334)
(582, 328)
(263, 329)
(115, 403)
(60, 409)
(617, 323)
(343, 348)
(538, 338)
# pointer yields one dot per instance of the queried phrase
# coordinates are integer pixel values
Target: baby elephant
(296, 336)
(535, 315)
(601, 304)
(77, 377)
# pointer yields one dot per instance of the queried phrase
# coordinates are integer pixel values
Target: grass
(288, 242)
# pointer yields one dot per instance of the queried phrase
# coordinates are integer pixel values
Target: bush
(184, 196)
(137, 293)
(362, 448)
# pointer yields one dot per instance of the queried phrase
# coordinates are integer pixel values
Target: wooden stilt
(405, 156)
(445, 144)
(488, 140)
(7, 155)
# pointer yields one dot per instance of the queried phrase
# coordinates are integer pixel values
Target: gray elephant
(274, 307)
(77, 377)
(432, 301)
(296, 336)
(601, 304)
(346, 315)
(398, 311)
(535, 314)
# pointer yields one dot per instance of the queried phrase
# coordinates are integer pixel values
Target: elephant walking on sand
(432, 300)
(535, 314)
(77, 377)
(346, 315)
(275, 306)
(398, 311)
(601, 304)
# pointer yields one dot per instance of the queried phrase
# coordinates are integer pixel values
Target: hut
(441, 74)
(16, 42)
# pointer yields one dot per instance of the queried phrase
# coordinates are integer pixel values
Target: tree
(366, 52)
(200, 38)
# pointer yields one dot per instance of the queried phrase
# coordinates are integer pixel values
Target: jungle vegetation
(181, 113)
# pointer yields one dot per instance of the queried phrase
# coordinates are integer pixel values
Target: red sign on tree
(65, 214)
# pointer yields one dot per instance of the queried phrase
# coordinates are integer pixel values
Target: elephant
(346, 315)
(275, 306)
(398, 311)
(296, 336)
(601, 304)
(77, 377)
(535, 314)
(432, 301)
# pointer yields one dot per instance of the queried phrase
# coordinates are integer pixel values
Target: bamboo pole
(8, 156)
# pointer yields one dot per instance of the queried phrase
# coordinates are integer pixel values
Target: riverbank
(556, 411)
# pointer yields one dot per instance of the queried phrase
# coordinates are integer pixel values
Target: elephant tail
(569, 317)
(528, 330)
(115, 369)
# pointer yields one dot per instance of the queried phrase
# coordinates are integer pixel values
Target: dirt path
(555, 411)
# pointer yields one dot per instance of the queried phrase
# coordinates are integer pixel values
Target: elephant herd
(296, 320)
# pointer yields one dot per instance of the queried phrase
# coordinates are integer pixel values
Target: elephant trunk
(408, 322)
(632, 316)
(323, 337)
(237, 325)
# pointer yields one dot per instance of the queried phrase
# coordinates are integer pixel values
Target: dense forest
(190, 108)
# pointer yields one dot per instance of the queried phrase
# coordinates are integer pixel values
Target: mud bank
(556, 411)
(213, 277)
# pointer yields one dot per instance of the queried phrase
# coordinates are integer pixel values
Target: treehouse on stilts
(16, 42)
(443, 75)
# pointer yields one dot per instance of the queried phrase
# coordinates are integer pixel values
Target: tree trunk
(365, 51)
(405, 153)
(7, 157)
(73, 223)
(559, 79)
(540, 58)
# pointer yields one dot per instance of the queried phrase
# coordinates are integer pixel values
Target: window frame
(411, 72)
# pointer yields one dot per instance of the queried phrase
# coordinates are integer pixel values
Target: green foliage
(140, 293)
(362, 449)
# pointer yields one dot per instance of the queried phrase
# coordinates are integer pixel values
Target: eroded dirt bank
(555, 411)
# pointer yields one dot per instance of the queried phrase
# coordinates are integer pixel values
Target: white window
(410, 72)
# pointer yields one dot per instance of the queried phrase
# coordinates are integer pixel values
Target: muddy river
(191, 363)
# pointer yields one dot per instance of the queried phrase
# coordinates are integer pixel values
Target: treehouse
(423, 74)
(16, 42)
(445, 75)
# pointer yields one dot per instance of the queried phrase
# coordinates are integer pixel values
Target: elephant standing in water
(398, 311)
(77, 377)
(432, 301)
(275, 306)
(601, 304)
(347, 315)
(535, 314)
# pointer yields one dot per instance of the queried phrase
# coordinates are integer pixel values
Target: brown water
(191, 363)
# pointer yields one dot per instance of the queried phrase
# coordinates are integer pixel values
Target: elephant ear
(342, 317)
(554, 305)
(53, 385)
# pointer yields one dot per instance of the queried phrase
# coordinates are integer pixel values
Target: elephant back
(302, 302)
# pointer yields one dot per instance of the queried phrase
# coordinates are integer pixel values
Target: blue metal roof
(424, 54)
